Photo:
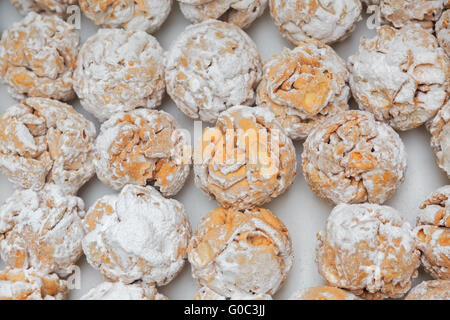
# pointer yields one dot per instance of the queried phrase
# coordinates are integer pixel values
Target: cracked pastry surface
(44, 140)
(58, 7)
(439, 128)
(246, 160)
(369, 250)
(353, 158)
(210, 67)
(119, 70)
(205, 293)
(38, 56)
(143, 147)
(121, 291)
(238, 12)
(401, 76)
(323, 293)
(145, 15)
(41, 229)
(442, 29)
(303, 86)
(433, 233)
(326, 20)
(30, 284)
(137, 235)
(241, 252)
(402, 12)
(430, 290)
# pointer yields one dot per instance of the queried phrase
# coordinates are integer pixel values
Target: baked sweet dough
(442, 29)
(431, 290)
(303, 86)
(137, 235)
(120, 291)
(205, 293)
(240, 252)
(246, 160)
(439, 128)
(41, 229)
(352, 158)
(58, 7)
(323, 293)
(38, 56)
(369, 250)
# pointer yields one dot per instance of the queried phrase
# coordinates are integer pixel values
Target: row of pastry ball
(297, 20)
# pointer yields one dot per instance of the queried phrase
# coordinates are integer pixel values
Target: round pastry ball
(121, 291)
(369, 250)
(205, 293)
(41, 229)
(44, 140)
(433, 233)
(137, 235)
(443, 31)
(439, 128)
(400, 13)
(430, 290)
(119, 70)
(304, 86)
(353, 158)
(240, 252)
(401, 76)
(50, 7)
(31, 284)
(326, 20)
(143, 147)
(38, 56)
(238, 12)
(211, 67)
(246, 160)
(323, 293)
(144, 15)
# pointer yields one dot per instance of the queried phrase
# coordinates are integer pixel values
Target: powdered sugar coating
(31, 284)
(369, 250)
(431, 290)
(210, 67)
(58, 7)
(238, 12)
(352, 158)
(145, 15)
(439, 128)
(246, 253)
(41, 229)
(235, 173)
(443, 31)
(119, 70)
(205, 293)
(137, 235)
(401, 76)
(143, 147)
(403, 12)
(433, 233)
(38, 56)
(323, 293)
(120, 291)
(44, 140)
(303, 86)
(326, 20)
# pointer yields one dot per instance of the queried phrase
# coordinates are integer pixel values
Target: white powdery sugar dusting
(430, 290)
(327, 20)
(368, 249)
(41, 229)
(401, 76)
(205, 293)
(137, 235)
(210, 67)
(238, 12)
(121, 291)
(439, 128)
(58, 7)
(144, 15)
(442, 29)
(46, 141)
(119, 70)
